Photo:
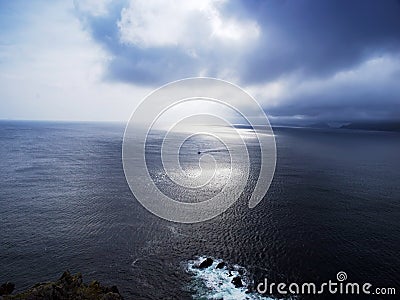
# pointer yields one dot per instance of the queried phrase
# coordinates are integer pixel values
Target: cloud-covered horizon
(302, 60)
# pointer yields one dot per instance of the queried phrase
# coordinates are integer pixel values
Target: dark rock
(114, 289)
(94, 284)
(220, 265)
(69, 286)
(66, 277)
(7, 288)
(206, 263)
(237, 281)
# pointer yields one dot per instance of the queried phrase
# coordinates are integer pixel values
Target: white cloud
(189, 24)
(53, 70)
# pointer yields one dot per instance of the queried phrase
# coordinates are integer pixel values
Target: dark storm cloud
(313, 37)
(321, 37)
(302, 39)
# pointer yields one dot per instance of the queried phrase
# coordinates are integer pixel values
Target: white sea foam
(213, 283)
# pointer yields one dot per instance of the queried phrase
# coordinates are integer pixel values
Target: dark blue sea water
(333, 205)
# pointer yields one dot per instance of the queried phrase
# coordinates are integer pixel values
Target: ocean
(333, 205)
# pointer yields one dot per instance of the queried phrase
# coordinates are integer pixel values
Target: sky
(303, 61)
